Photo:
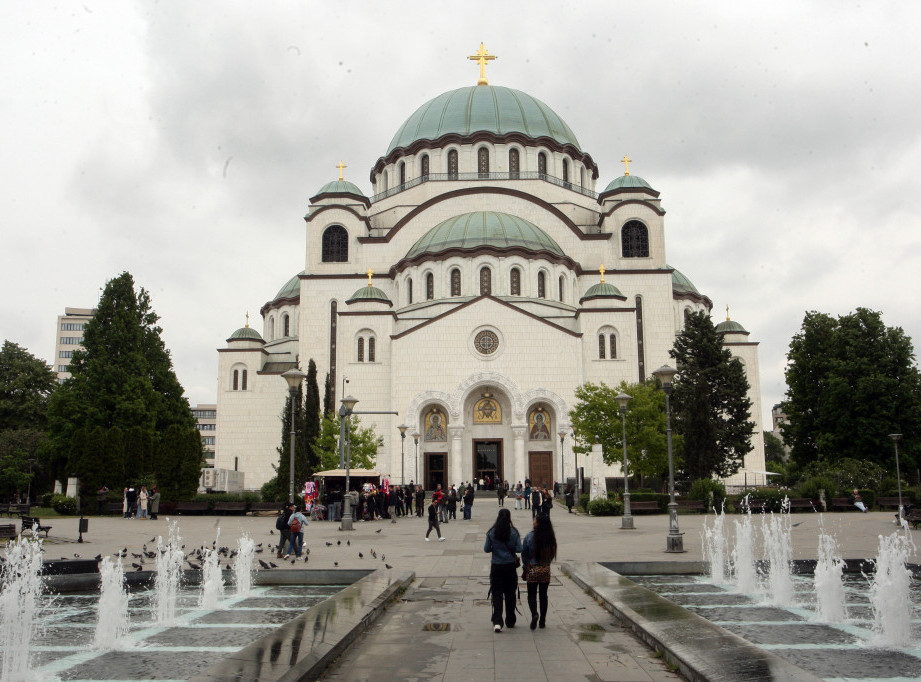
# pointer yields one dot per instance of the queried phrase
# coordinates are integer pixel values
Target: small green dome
(730, 327)
(602, 290)
(292, 288)
(340, 187)
(370, 293)
(484, 228)
(245, 333)
(483, 108)
(681, 284)
(627, 182)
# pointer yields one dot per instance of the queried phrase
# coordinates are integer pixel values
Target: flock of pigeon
(338, 543)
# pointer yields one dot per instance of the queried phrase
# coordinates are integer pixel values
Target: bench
(644, 505)
(804, 503)
(754, 505)
(114, 508)
(893, 502)
(842, 504)
(8, 530)
(191, 507)
(35, 524)
(230, 507)
(913, 517)
(692, 505)
(16, 510)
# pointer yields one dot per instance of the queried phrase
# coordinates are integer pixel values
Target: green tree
(851, 381)
(710, 404)
(328, 407)
(179, 458)
(773, 449)
(17, 447)
(312, 416)
(363, 442)
(596, 415)
(26, 383)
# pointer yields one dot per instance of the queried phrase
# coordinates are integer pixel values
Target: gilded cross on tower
(601, 270)
(482, 56)
(247, 318)
(727, 312)
(341, 166)
(626, 161)
(370, 272)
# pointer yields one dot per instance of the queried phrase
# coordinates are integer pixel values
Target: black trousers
(433, 524)
(533, 590)
(285, 539)
(503, 580)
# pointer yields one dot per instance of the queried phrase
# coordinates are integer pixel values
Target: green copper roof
(602, 289)
(484, 228)
(340, 187)
(681, 284)
(487, 108)
(246, 333)
(729, 327)
(627, 182)
(292, 288)
(369, 293)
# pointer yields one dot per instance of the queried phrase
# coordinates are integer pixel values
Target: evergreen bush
(711, 492)
(605, 507)
(63, 505)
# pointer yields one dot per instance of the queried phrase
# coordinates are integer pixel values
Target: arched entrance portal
(488, 413)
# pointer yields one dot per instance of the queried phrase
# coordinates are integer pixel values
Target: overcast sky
(181, 141)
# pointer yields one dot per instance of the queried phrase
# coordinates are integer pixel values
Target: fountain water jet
(828, 581)
(778, 546)
(243, 565)
(112, 609)
(889, 591)
(169, 570)
(743, 561)
(20, 576)
(212, 580)
(715, 547)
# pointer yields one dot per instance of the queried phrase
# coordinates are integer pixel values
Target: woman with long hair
(504, 542)
(538, 551)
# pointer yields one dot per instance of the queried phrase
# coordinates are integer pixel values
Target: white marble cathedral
(481, 283)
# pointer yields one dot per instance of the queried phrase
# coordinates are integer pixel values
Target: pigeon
(259, 550)
(194, 567)
(153, 539)
(338, 542)
(361, 556)
(263, 564)
(383, 557)
(273, 565)
(335, 563)
(307, 550)
(99, 557)
(293, 560)
(271, 532)
(306, 558)
(76, 556)
(378, 530)
(259, 545)
(391, 521)
(137, 566)
(229, 568)
(150, 555)
(388, 565)
(329, 544)
(136, 556)
(348, 542)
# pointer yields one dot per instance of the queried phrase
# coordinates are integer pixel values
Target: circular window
(486, 342)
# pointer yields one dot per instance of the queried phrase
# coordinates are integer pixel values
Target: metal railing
(508, 175)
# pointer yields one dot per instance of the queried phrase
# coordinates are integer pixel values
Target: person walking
(546, 504)
(536, 500)
(433, 522)
(468, 502)
(504, 542)
(500, 493)
(570, 499)
(527, 493)
(154, 503)
(284, 531)
(297, 522)
(132, 499)
(538, 550)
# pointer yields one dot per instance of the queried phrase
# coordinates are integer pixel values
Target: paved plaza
(440, 628)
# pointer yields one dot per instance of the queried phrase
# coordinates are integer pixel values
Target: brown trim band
(310, 216)
(630, 202)
(627, 190)
(278, 303)
(343, 195)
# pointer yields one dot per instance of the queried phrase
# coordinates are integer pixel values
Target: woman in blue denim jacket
(504, 542)
(538, 550)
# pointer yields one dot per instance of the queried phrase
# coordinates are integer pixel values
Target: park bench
(35, 524)
(914, 517)
(191, 507)
(755, 505)
(842, 504)
(644, 505)
(114, 508)
(17, 510)
(230, 507)
(261, 507)
(804, 503)
(893, 502)
(692, 505)
(8, 530)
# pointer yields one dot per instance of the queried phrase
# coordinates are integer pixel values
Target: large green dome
(484, 228)
(483, 108)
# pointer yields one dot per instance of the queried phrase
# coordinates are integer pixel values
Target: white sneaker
(442, 539)
(497, 628)
(426, 539)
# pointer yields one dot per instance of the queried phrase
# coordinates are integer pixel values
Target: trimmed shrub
(773, 498)
(63, 505)
(712, 493)
(605, 507)
(583, 502)
(811, 486)
(47, 499)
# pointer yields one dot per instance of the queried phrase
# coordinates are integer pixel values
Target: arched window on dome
(561, 288)
(425, 167)
(360, 356)
(485, 281)
(452, 164)
(514, 164)
(409, 290)
(286, 325)
(402, 173)
(514, 282)
(335, 244)
(429, 287)
(541, 285)
(482, 162)
(634, 240)
(455, 282)
(565, 170)
(542, 163)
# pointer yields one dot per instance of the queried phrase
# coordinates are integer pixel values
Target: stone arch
(481, 380)
(553, 400)
(422, 401)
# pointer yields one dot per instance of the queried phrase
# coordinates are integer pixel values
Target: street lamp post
(294, 377)
(626, 521)
(562, 434)
(402, 428)
(896, 437)
(31, 461)
(416, 435)
(348, 403)
(674, 541)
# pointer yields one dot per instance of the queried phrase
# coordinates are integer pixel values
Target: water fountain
(777, 585)
(169, 571)
(715, 546)
(112, 609)
(212, 579)
(828, 581)
(20, 576)
(889, 591)
(243, 565)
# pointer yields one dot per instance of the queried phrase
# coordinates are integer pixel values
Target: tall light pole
(348, 403)
(416, 464)
(896, 437)
(562, 434)
(674, 541)
(626, 521)
(402, 428)
(294, 377)
(31, 461)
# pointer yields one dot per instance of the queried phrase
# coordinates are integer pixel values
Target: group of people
(139, 503)
(290, 525)
(537, 552)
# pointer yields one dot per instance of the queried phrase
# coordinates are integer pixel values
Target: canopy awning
(358, 473)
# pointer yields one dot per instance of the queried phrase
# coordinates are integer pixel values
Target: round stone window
(486, 342)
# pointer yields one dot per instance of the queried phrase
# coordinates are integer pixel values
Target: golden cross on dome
(626, 161)
(727, 312)
(370, 272)
(247, 318)
(340, 167)
(601, 270)
(482, 56)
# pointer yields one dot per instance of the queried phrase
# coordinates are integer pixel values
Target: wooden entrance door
(540, 469)
(436, 470)
(487, 462)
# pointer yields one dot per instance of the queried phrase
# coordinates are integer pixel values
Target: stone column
(455, 465)
(519, 471)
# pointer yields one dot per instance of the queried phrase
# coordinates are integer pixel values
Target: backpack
(296, 526)
(281, 522)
